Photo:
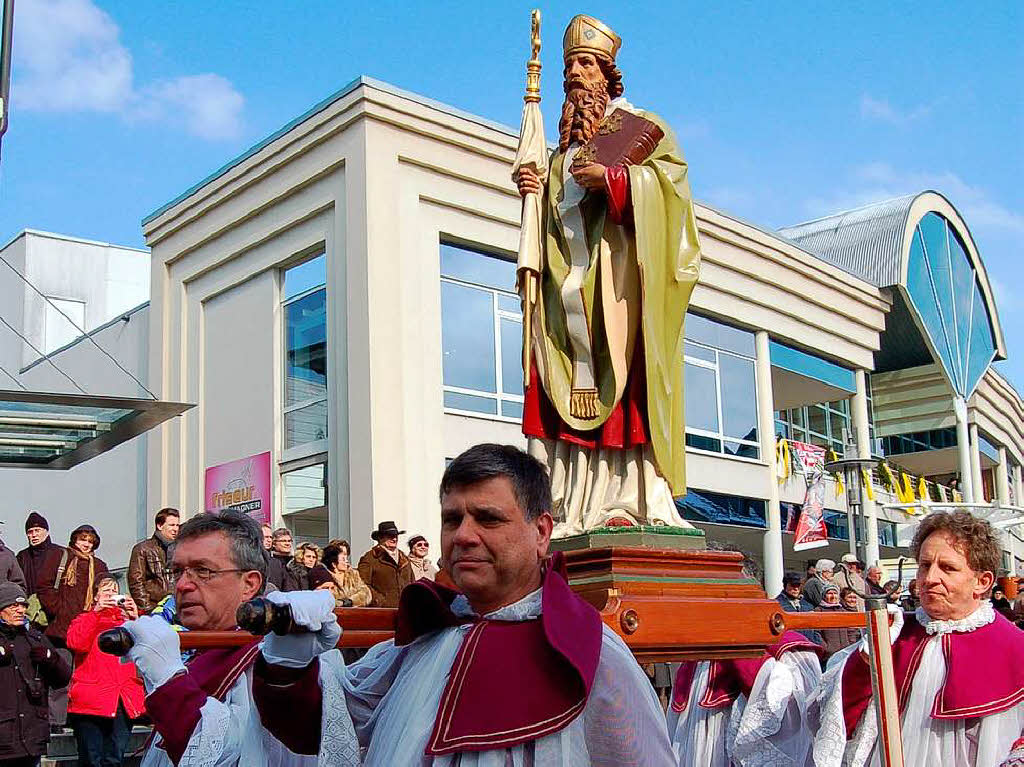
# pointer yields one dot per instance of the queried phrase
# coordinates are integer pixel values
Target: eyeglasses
(198, 574)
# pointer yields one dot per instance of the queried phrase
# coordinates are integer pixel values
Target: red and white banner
(810, 459)
(810, 528)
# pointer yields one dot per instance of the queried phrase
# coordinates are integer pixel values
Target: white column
(979, 487)
(859, 413)
(1018, 485)
(963, 445)
(1003, 497)
(1002, 479)
(773, 565)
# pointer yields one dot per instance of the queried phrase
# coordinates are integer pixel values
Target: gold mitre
(585, 34)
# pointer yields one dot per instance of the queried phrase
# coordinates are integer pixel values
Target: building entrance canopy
(43, 430)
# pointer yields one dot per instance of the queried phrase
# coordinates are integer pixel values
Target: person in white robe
(746, 713)
(442, 694)
(957, 663)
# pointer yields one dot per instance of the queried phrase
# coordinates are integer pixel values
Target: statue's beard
(582, 111)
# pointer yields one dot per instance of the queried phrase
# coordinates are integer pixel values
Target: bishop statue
(606, 283)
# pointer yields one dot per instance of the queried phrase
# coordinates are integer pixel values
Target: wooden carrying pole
(883, 684)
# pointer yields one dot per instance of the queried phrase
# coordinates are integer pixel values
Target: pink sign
(243, 485)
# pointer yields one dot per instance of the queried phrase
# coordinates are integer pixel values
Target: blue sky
(786, 111)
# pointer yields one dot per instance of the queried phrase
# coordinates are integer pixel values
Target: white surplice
(769, 729)
(230, 734)
(393, 694)
(927, 742)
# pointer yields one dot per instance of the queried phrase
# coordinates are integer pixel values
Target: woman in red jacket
(105, 694)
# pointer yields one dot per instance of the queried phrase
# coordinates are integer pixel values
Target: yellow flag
(783, 460)
(865, 475)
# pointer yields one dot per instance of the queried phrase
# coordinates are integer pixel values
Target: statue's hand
(528, 182)
(590, 176)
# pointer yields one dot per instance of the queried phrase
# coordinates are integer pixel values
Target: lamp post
(6, 45)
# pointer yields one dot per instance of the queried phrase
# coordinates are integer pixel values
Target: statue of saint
(618, 259)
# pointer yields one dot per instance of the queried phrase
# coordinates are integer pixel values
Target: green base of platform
(645, 537)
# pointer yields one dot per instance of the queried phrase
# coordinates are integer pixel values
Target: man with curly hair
(959, 677)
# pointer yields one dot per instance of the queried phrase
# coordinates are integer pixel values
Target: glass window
(701, 397)
(718, 335)
(720, 389)
(481, 334)
(703, 506)
(480, 269)
(306, 348)
(305, 342)
(817, 420)
(305, 488)
(305, 424)
(944, 291)
(739, 409)
(467, 334)
(306, 276)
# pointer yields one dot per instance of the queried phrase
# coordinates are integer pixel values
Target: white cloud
(208, 104)
(69, 58)
(882, 110)
(877, 181)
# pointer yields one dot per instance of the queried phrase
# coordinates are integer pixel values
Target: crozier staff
(513, 668)
(951, 713)
(203, 713)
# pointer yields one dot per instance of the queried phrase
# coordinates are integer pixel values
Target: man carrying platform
(203, 713)
(513, 668)
(957, 663)
(746, 712)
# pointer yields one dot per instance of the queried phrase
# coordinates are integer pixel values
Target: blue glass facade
(943, 288)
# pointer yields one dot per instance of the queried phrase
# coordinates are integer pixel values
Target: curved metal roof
(887, 244)
(866, 242)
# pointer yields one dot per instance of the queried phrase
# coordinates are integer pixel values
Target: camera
(120, 599)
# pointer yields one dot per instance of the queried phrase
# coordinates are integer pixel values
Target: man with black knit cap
(29, 668)
(32, 557)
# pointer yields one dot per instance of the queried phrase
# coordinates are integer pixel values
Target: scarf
(71, 575)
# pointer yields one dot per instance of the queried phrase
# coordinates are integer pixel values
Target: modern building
(50, 284)
(341, 296)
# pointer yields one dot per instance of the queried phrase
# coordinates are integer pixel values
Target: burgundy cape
(544, 668)
(174, 706)
(727, 679)
(965, 692)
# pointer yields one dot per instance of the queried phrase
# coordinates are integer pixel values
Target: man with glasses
(204, 712)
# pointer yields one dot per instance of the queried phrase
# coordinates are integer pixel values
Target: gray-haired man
(205, 713)
(814, 589)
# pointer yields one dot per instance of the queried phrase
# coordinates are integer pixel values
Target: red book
(622, 138)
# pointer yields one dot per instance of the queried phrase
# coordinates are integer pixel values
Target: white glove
(315, 611)
(895, 627)
(156, 652)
